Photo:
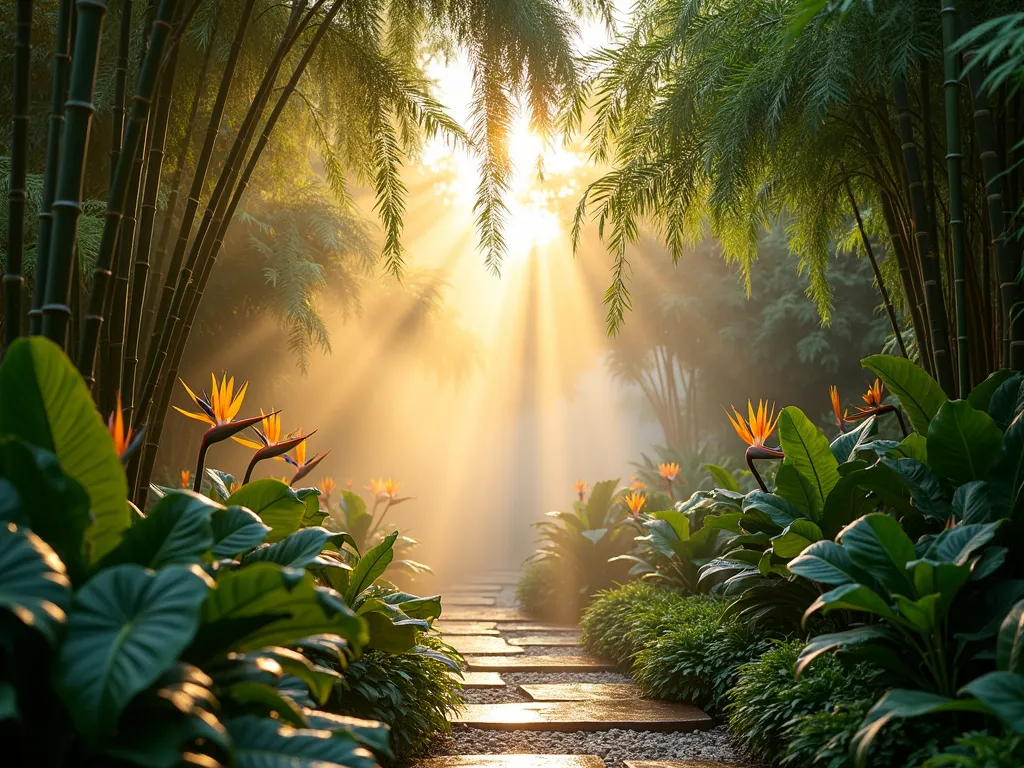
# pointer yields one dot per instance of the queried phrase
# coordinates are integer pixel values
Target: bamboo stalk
(17, 197)
(174, 183)
(117, 112)
(67, 204)
(140, 272)
(160, 336)
(886, 300)
(54, 137)
(139, 115)
(934, 300)
(954, 170)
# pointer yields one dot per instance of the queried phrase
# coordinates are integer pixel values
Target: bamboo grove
(894, 127)
(156, 122)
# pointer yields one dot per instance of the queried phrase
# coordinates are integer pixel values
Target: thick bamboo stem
(117, 113)
(54, 137)
(17, 196)
(139, 116)
(934, 300)
(67, 204)
(954, 170)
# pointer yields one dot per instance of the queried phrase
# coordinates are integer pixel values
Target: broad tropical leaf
(1010, 641)
(176, 532)
(371, 566)
(877, 544)
(808, 450)
(264, 743)
(236, 529)
(298, 550)
(723, 477)
(962, 442)
(45, 402)
(1002, 693)
(126, 626)
(918, 393)
(276, 504)
(33, 582)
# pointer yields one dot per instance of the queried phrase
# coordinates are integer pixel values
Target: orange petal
(236, 403)
(190, 392)
(197, 416)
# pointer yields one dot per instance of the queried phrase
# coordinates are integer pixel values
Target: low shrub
(697, 659)
(412, 692)
(980, 750)
(767, 696)
(541, 593)
(621, 621)
(822, 739)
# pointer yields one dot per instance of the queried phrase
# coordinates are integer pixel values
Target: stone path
(535, 699)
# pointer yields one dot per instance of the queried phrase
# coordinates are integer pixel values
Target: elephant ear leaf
(918, 393)
(45, 402)
(277, 505)
(33, 583)
(261, 743)
(176, 532)
(236, 529)
(127, 626)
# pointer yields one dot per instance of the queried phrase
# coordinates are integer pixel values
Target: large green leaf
(126, 627)
(845, 447)
(601, 503)
(371, 566)
(723, 477)
(277, 505)
(796, 538)
(842, 641)
(808, 450)
(1007, 473)
(1010, 641)
(958, 544)
(264, 743)
(38, 495)
(918, 393)
(877, 544)
(852, 597)
(796, 489)
(44, 401)
(897, 704)
(176, 532)
(236, 529)
(925, 488)
(962, 442)
(1007, 401)
(981, 396)
(370, 733)
(263, 605)
(298, 550)
(1002, 693)
(253, 695)
(850, 498)
(826, 562)
(33, 582)
(391, 636)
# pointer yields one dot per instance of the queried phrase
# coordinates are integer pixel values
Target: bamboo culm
(174, 275)
(134, 132)
(67, 203)
(54, 136)
(954, 171)
(124, 43)
(210, 253)
(934, 301)
(147, 210)
(17, 196)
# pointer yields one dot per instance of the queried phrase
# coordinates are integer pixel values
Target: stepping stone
(476, 600)
(509, 579)
(495, 646)
(581, 691)
(679, 764)
(538, 664)
(513, 761)
(637, 715)
(475, 588)
(563, 640)
(480, 680)
(466, 628)
(484, 613)
(532, 626)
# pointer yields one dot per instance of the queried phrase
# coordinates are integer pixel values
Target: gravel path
(613, 746)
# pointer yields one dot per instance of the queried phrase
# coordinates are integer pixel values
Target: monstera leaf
(45, 402)
(126, 627)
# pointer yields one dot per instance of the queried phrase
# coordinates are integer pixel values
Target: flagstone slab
(680, 764)
(538, 664)
(637, 715)
(466, 628)
(482, 645)
(512, 761)
(534, 626)
(581, 691)
(480, 680)
(563, 640)
(474, 600)
(473, 588)
(482, 613)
